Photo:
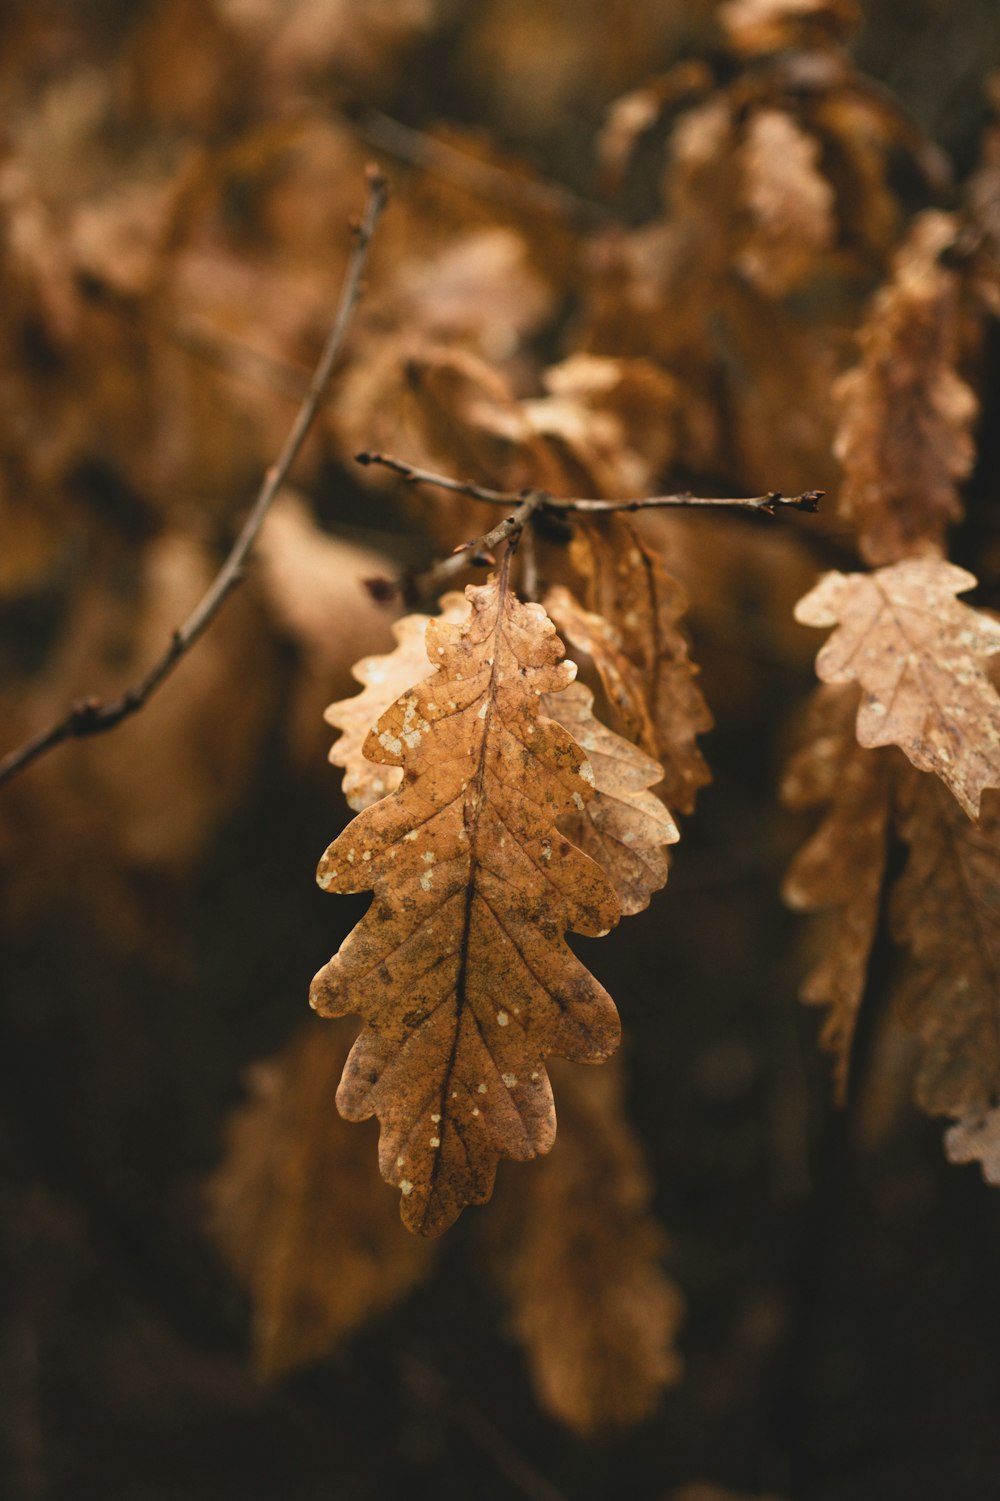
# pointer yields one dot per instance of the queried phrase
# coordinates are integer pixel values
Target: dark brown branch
(92, 716)
(808, 501)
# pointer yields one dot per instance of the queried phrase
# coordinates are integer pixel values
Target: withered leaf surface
(905, 437)
(624, 826)
(946, 910)
(843, 865)
(631, 588)
(459, 967)
(593, 1307)
(600, 640)
(384, 678)
(298, 1215)
(917, 653)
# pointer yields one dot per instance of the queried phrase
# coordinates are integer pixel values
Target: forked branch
(92, 716)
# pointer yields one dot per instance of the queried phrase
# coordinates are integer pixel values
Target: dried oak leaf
(905, 437)
(383, 679)
(843, 865)
(788, 204)
(946, 910)
(976, 1138)
(917, 653)
(598, 638)
(631, 588)
(624, 826)
(593, 1308)
(297, 1214)
(459, 967)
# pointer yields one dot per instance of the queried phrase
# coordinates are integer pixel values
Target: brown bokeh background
(167, 280)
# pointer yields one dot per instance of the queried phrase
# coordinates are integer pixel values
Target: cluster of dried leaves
(778, 316)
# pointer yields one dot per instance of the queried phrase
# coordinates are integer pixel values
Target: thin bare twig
(92, 716)
(808, 501)
(480, 549)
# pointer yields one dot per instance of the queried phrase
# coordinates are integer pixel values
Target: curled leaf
(459, 967)
(917, 653)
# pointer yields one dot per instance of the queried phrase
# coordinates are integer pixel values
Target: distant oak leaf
(906, 415)
(917, 653)
(297, 1214)
(842, 867)
(460, 968)
(946, 911)
(596, 1313)
(788, 204)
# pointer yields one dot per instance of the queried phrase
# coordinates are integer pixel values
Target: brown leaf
(946, 909)
(297, 1214)
(905, 437)
(598, 638)
(916, 651)
(976, 1138)
(384, 680)
(481, 290)
(624, 827)
(788, 203)
(633, 591)
(363, 41)
(459, 967)
(629, 409)
(843, 865)
(759, 26)
(593, 1308)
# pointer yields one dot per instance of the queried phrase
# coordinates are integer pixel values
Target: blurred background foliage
(176, 179)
